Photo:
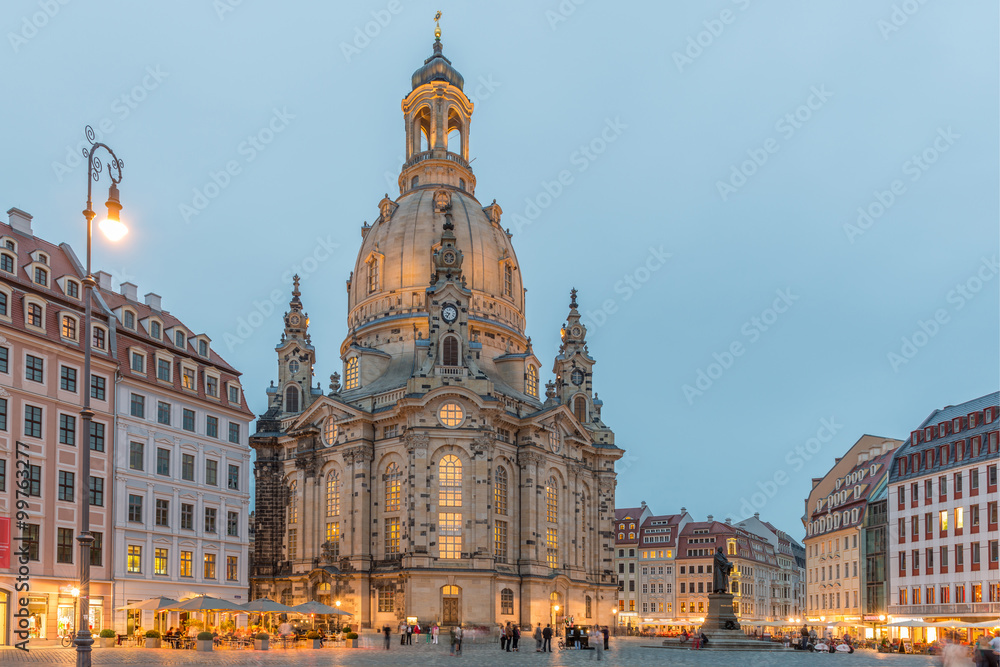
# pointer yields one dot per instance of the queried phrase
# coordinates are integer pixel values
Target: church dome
(437, 68)
(396, 260)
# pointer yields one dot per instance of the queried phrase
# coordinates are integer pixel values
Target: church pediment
(323, 408)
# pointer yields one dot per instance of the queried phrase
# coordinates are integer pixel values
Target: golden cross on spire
(437, 26)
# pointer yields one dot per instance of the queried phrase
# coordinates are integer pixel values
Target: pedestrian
(427, 634)
(409, 634)
(597, 641)
(503, 637)
(402, 634)
(435, 630)
(604, 631)
(981, 654)
(704, 639)
(386, 631)
(454, 638)
(458, 639)
(538, 638)
(696, 641)
(547, 638)
(993, 656)
(516, 636)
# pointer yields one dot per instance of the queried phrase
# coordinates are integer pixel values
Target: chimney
(103, 280)
(729, 521)
(153, 301)
(130, 291)
(756, 515)
(20, 221)
(709, 517)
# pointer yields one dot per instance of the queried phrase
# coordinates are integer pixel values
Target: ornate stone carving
(359, 454)
(482, 446)
(416, 443)
(529, 459)
(308, 462)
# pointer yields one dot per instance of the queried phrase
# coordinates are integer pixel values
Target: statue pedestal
(723, 630)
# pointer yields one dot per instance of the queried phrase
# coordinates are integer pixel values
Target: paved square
(625, 653)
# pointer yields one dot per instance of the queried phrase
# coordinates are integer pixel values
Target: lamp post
(114, 230)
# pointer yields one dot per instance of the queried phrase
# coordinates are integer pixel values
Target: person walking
(547, 638)
(435, 630)
(402, 634)
(597, 641)
(604, 631)
(503, 638)
(386, 631)
(454, 638)
(458, 639)
(516, 636)
(409, 634)
(427, 634)
(538, 638)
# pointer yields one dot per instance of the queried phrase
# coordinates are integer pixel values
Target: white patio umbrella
(155, 604)
(207, 603)
(313, 607)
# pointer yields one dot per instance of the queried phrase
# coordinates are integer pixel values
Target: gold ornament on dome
(437, 25)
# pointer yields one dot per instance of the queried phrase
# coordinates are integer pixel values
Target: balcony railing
(945, 609)
(429, 155)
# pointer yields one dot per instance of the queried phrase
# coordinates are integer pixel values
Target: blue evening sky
(781, 216)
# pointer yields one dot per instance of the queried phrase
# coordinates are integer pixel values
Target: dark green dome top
(437, 68)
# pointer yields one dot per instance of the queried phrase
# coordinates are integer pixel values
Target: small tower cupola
(296, 357)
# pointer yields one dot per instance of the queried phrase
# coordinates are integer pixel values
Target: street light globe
(337, 603)
(114, 230)
(556, 607)
(75, 592)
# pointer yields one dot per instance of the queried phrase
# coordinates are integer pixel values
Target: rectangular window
(68, 327)
(500, 541)
(450, 535)
(210, 566)
(64, 545)
(163, 413)
(163, 370)
(160, 561)
(97, 549)
(187, 516)
(4, 360)
(391, 536)
(212, 386)
(234, 394)
(29, 535)
(210, 513)
(135, 508)
(136, 451)
(162, 461)
(67, 430)
(97, 387)
(293, 544)
(135, 558)
(34, 480)
(137, 406)
(97, 491)
(187, 379)
(187, 467)
(234, 433)
(187, 559)
(154, 330)
(98, 338)
(96, 437)
(3, 475)
(212, 426)
(233, 479)
(233, 524)
(67, 379)
(944, 521)
(211, 472)
(3, 414)
(552, 548)
(129, 319)
(67, 480)
(333, 538)
(975, 553)
(32, 421)
(959, 518)
(187, 423)
(162, 512)
(34, 368)
(232, 568)
(385, 601)
(138, 362)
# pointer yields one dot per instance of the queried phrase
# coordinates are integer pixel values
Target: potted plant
(260, 641)
(107, 638)
(346, 629)
(352, 639)
(314, 636)
(205, 641)
(152, 639)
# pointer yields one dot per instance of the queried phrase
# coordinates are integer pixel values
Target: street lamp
(114, 229)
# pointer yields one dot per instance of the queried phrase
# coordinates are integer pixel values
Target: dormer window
(352, 374)
(212, 386)
(6, 262)
(69, 327)
(179, 338)
(73, 289)
(99, 338)
(531, 383)
(41, 276)
(128, 319)
(203, 348)
(7, 243)
(155, 330)
(43, 258)
(163, 370)
(187, 378)
(234, 393)
(4, 304)
(35, 315)
(138, 361)
(508, 280)
(373, 275)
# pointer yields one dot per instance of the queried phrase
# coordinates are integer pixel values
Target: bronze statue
(721, 571)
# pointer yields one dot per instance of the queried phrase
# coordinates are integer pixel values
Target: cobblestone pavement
(625, 653)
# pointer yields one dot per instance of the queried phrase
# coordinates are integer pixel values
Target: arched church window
(393, 483)
(331, 431)
(508, 280)
(461, 184)
(352, 374)
(507, 602)
(454, 140)
(450, 481)
(500, 491)
(531, 385)
(333, 494)
(415, 182)
(293, 502)
(373, 275)
(580, 409)
(552, 501)
(292, 399)
(449, 351)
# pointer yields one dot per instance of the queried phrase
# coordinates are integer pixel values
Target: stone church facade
(433, 480)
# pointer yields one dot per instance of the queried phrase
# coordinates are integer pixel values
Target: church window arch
(373, 274)
(531, 383)
(507, 602)
(393, 487)
(415, 182)
(449, 351)
(291, 398)
(293, 502)
(552, 500)
(500, 491)
(580, 409)
(508, 279)
(352, 374)
(333, 494)
(455, 133)
(450, 481)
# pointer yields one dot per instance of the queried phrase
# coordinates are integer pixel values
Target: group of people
(698, 639)
(407, 631)
(985, 654)
(510, 637)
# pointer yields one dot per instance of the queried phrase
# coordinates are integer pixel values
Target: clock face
(577, 331)
(293, 367)
(449, 257)
(293, 320)
(449, 313)
(577, 377)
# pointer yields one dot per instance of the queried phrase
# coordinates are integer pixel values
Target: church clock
(449, 313)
